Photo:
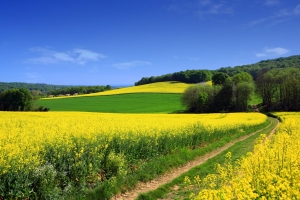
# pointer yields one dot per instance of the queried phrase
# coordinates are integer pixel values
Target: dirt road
(155, 183)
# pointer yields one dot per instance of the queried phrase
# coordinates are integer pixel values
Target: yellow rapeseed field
(72, 145)
(271, 171)
(160, 87)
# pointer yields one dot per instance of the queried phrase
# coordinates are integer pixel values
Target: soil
(163, 179)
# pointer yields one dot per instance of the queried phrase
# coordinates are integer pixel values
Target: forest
(79, 90)
(279, 89)
(196, 76)
(188, 76)
(41, 87)
(39, 90)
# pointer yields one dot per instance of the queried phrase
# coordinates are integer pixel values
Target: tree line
(279, 89)
(197, 76)
(188, 76)
(21, 99)
(16, 100)
(80, 90)
(39, 90)
(255, 69)
(42, 88)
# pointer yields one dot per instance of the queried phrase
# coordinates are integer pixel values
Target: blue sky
(100, 42)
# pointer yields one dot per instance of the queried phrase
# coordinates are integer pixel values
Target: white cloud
(259, 21)
(62, 57)
(280, 16)
(219, 8)
(271, 2)
(128, 65)
(201, 8)
(296, 10)
(77, 56)
(204, 2)
(42, 60)
(278, 51)
(86, 55)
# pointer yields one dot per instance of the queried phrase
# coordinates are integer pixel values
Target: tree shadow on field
(179, 112)
(174, 82)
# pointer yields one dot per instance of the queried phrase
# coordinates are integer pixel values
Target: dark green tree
(224, 97)
(16, 100)
(242, 77)
(267, 87)
(198, 98)
(26, 100)
(280, 89)
(189, 99)
(219, 78)
(243, 93)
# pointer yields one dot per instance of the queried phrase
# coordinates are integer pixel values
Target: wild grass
(256, 99)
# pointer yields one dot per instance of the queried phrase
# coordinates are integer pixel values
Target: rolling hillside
(160, 87)
(163, 97)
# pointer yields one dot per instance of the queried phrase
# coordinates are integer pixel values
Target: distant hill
(253, 69)
(195, 76)
(171, 87)
(162, 97)
(43, 88)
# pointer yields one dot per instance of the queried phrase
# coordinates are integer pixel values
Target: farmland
(50, 154)
(160, 87)
(122, 103)
(98, 145)
(161, 97)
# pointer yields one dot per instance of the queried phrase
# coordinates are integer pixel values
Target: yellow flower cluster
(73, 144)
(271, 171)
